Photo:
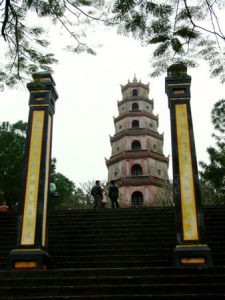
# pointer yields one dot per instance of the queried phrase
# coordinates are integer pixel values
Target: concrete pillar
(31, 249)
(190, 249)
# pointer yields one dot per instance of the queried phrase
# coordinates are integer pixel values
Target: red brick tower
(137, 162)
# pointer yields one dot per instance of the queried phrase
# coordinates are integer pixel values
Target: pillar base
(195, 255)
(29, 259)
(4, 208)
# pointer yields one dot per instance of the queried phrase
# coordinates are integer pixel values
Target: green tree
(12, 152)
(209, 196)
(213, 173)
(164, 195)
(79, 200)
(12, 141)
(65, 190)
(181, 30)
(68, 195)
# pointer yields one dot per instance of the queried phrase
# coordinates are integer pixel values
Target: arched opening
(135, 92)
(136, 145)
(137, 199)
(136, 170)
(135, 124)
(135, 107)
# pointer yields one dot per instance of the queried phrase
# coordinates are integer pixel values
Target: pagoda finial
(135, 78)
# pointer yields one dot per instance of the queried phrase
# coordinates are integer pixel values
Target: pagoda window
(135, 107)
(136, 145)
(135, 124)
(135, 92)
(136, 170)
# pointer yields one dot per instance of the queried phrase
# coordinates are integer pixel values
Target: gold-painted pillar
(31, 249)
(191, 249)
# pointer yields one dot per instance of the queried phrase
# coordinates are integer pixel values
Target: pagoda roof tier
(136, 154)
(134, 84)
(136, 132)
(139, 113)
(135, 98)
(140, 180)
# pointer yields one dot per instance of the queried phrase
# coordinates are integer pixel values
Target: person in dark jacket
(96, 192)
(113, 193)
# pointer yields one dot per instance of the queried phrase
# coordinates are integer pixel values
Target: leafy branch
(27, 47)
(178, 31)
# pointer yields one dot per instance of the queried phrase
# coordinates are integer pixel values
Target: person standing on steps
(96, 192)
(113, 193)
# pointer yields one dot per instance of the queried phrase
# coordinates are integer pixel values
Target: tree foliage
(12, 151)
(25, 41)
(12, 141)
(64, 188)
(68, 195)
(164, 195)
(181, 30)
(213, 173)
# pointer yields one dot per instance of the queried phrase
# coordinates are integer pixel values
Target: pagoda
(137, 163)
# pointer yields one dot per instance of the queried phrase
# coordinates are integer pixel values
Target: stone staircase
(114, 254)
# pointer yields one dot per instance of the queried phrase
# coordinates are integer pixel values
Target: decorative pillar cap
(178, 70)
(178, 82)
(43, 77)
(43, 80)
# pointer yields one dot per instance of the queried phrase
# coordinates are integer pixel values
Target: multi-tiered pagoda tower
(137, 163)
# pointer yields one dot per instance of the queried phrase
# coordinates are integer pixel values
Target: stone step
(114, 254)
(94, 272)
(106, 280)
(110, 264)
(109, 246)
(113, 289)
(114, 230)
(210, 231)
(205, 296)
(103, 255)
(111, 227)
(115, 251)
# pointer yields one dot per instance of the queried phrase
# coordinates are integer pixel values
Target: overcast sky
(89, 88)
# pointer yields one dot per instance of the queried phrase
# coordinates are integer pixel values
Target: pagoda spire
(135, 78)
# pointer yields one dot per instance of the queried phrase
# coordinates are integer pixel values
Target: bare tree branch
(85, 14)
(213, 14)
(5, 21)
(88, 15)
(175, 19)
(16, 37)
(200, 27)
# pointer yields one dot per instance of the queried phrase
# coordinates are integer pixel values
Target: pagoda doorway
(137, 200)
